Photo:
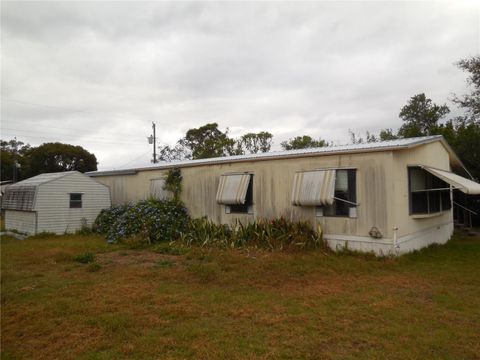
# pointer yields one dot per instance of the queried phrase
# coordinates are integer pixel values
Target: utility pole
(14, 177)
(152, 139)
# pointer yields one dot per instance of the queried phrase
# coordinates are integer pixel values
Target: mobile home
(389, 197)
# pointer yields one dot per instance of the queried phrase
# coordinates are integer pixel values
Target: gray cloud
(97, 73)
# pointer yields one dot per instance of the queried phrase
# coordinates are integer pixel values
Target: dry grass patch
(176, 303)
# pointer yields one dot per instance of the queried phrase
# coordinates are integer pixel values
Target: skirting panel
(439, 234)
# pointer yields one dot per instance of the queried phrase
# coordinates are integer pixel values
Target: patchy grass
(236, 304)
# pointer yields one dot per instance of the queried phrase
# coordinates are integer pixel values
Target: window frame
(76, 201)
(320, 211)
(247, 207)
(430, 192)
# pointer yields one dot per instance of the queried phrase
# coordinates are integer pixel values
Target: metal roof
(329, 150)
(40, 179)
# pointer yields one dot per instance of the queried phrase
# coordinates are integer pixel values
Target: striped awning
(19, 198)
(313, 188)
(458, 182)
(232, 189)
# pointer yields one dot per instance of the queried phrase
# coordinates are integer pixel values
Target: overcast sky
(96, 74)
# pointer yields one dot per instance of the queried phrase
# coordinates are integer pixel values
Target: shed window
(427, 193)
(75, 201)
(345, 198)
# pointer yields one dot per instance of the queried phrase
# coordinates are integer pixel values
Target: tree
(470, 102)
(302, 142)
(466, 143)
(175, 153)
(204, 142)
(57, 157)
(421, 116)
(358, 139)
(208, 141)
(254, 143)
(12, 154)
(387, 134)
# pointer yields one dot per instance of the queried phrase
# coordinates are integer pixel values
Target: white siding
(53, 203)
(23, 221)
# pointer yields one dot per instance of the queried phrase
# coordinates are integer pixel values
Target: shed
(54, 202)
(389, 197)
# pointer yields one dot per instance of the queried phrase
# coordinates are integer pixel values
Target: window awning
(314, 188)
(20, 198)
(232, 189)
(458, 182)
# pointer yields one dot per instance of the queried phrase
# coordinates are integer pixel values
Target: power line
(54, 106)
(45, 105)
(63, 128)
(63, 135)
(144, 154)
(84, 141)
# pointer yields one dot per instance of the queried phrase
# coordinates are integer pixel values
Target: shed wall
(53, 203)
(23, 221)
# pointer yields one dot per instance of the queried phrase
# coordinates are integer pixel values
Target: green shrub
(93, 267)
(85, 258)
(43, 235)
(149, 221)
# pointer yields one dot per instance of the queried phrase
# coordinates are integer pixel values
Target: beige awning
(458, 182)
(232, 189)
(314, 188)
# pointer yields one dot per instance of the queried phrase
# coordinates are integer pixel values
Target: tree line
(420, 117)
(20, 161)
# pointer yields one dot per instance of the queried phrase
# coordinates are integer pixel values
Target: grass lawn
(236, 304)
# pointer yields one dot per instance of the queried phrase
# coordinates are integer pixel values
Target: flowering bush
(107, 218)
(153, 220)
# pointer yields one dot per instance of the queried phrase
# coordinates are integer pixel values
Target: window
(75, 201)
(235, 191)
(345, 196)
(245, 207)
(427, 193)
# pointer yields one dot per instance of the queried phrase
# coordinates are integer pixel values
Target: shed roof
(41, 179)
(21, 195)
(389, 145)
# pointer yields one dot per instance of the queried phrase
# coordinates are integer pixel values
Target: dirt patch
(135, 257)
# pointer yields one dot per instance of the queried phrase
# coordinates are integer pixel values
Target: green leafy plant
(173, 183)
(43, 235)
(93, 267)
(272, 234)
(85, 258)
